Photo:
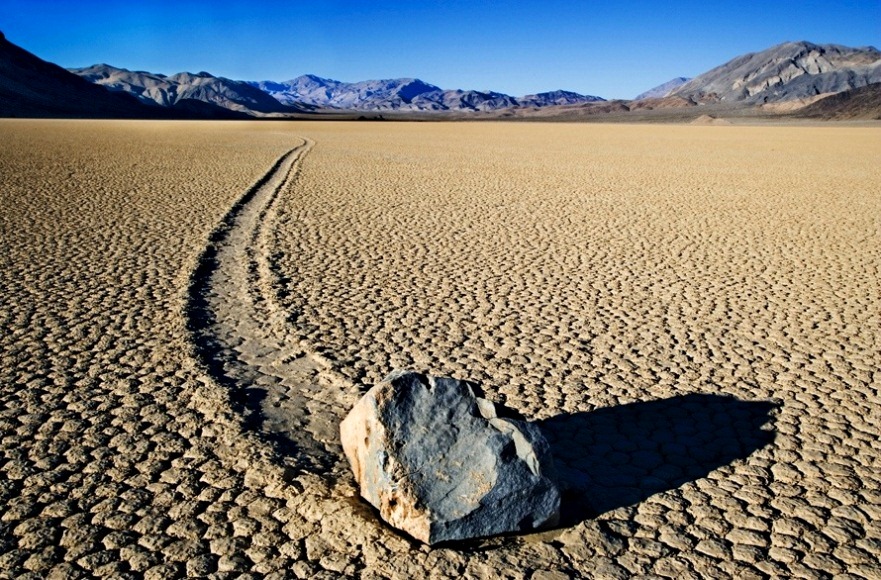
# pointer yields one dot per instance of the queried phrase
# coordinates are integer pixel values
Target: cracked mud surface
(188, 309)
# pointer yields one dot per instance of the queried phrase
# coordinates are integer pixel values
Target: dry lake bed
(187, 310)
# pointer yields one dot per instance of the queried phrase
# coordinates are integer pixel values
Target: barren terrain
(187, 310)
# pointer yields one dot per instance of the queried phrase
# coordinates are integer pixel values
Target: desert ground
(188, 309)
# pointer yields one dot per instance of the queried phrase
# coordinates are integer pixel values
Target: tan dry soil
(188, 309)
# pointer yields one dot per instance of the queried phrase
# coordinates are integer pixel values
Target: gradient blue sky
(599, 48)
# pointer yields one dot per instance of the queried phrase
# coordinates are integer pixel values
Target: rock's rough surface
(439, 464)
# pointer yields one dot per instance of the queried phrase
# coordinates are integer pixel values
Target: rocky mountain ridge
(153, 88)
(788, 71)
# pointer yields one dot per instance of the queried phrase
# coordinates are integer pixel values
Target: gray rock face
(439, 464)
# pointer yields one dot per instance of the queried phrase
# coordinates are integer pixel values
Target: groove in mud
(198, 312)
(239, 333)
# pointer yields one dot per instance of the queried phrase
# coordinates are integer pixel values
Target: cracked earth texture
(188, 309)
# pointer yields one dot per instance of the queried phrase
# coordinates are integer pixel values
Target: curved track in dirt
(244, 339)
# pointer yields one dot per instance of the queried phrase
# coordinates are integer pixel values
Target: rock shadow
(619, 456)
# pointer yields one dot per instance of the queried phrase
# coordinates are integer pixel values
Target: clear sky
(610, 49)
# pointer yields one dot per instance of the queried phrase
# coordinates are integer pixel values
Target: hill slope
(662, 90)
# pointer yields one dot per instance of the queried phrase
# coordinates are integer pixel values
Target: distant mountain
(32, 87)
(788, 71)
(557, 98)
(307, 89)
(167, 91)
(861, 103)
(404, 94)
(459, 100)
(375, 95)
(576, 112)
(662, 90)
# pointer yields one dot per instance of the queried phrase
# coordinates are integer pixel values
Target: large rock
(439, 464)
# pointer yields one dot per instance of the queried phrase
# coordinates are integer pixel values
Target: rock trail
(243, 337)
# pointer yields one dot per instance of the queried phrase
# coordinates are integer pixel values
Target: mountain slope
(791, 70)
(662, 90)
(32, 87)
(169, 90)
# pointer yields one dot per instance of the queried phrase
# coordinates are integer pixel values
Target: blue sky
(599, 48)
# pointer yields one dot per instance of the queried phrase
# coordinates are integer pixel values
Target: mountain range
(404, 94)
(780, 79)
(786, 72)
(32, 87)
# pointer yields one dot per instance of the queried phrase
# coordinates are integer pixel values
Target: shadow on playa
(619, 456)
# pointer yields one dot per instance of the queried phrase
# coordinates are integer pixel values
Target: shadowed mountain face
(789, 71)
(32, 87)
(861, 103)
(404, 94)
(169, 90)
(618, 456)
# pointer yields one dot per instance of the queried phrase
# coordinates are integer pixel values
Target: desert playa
(692, 313)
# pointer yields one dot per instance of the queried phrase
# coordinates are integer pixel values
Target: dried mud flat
(188, 309)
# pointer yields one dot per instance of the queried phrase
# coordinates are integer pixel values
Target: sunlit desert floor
(187, 310)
